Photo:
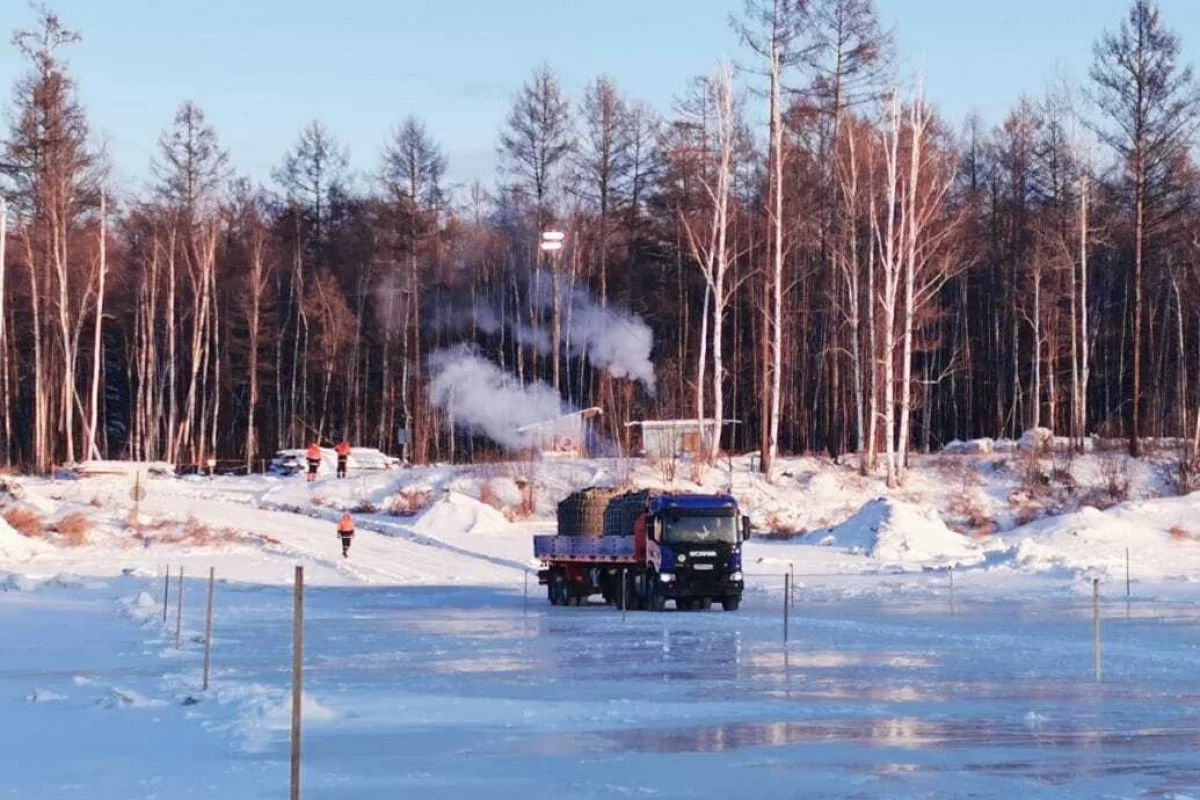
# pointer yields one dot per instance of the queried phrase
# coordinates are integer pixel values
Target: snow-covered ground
(941, 640)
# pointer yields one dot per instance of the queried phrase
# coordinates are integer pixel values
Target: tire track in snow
(356, 571)
(276, 543)
(391, 530)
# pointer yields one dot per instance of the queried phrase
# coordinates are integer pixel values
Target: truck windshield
(702, 530)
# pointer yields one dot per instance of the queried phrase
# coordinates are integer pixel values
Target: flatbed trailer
(566, 549)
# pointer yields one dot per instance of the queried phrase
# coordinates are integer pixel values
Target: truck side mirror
(746, 528)
(656, 529)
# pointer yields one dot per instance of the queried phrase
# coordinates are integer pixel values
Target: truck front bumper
(688, 586)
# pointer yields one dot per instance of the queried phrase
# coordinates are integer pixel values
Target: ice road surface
(454, 692)
(429, 677)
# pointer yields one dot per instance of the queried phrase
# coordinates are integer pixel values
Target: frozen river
(437, 694)
(432, 693)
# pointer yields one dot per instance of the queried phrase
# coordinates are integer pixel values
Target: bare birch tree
(1149, 108)
(774, 30)
(709, 242)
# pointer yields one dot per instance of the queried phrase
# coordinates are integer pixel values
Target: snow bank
(971, 447)
(891, 530)
(15, 547)
(1036, 439)
(458, 513)
(128, 469)
(142, 607)
(1163, 538)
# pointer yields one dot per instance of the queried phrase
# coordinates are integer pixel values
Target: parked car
(362, 459)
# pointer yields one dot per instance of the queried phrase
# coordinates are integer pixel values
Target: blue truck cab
(696, 542)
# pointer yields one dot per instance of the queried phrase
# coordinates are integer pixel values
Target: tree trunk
(256, 275)
(172, 354)
(702, 358)
(872, 366)
(1084, 332)
(891, 279)
(910, 215)
(1135, 433)
(556, 320)
(777, 258)
(41, 447)
(8, 453)
(1035, 417)
(94, 408)
(59, 255)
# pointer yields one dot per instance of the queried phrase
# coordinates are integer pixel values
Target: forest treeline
(816, 251)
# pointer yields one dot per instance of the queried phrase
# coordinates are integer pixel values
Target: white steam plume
(612, 339)
(484, 399)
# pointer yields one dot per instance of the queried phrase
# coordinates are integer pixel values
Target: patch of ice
(69, 581)
(1035, 720)
(19, 583)
(127, 698)
(268, 713)
(43, 696)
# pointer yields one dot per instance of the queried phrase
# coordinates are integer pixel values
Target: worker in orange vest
(346, 532)
(343, 454)
(313, 454)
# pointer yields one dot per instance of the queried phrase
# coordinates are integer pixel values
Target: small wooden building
(569, 435)
(671, 438)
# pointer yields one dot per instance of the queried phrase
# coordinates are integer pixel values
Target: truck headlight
(666, 577)
(736, 576)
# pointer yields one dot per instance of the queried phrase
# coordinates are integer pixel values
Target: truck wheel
(654, 600)
(635, 593)
(731, 603)
(626, 599)
(555, 593)
(685, 605)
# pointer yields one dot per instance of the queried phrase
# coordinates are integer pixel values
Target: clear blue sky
(262, 68)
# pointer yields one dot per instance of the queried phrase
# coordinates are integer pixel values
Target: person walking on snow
(346, 532)
(343, 454)
(313, 454)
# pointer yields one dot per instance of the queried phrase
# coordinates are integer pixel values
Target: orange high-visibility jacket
(314, 452)
(346, 525)
(343, 449)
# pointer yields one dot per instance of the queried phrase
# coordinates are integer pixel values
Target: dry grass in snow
(1183, 534)
(25, 521)
(73, 528)
(194, 533)
(409, 502)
